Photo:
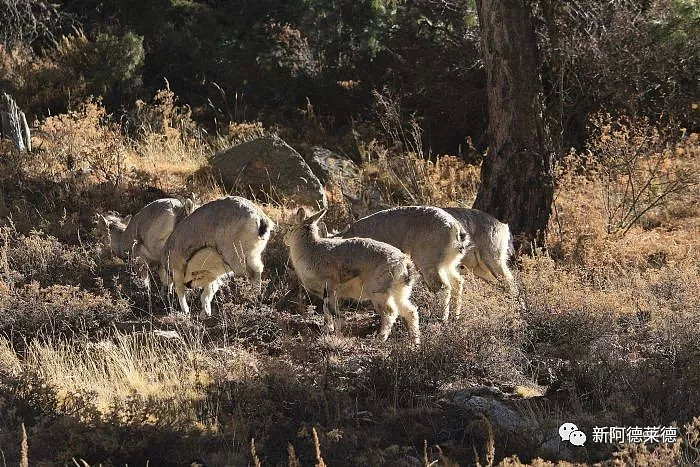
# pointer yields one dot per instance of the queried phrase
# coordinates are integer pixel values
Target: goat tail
(506, 241)
(410, 273)
(263, 227)
(462, 240)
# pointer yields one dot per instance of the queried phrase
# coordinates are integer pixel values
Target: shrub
(636, 57)
(84, 139)
(56, 310)
(639, 173)
(406, 178)
(483, 343)
(44, 259)
(162, 116)
(632, 330)
(74, 67)
(30, 23)
(116, 64)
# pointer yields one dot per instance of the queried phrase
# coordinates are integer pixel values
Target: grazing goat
(355, 268)
(233, 228)
(492, 239)
(143, 235)
(206, 270)
(434, 239)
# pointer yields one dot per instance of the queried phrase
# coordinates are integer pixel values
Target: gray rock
(498, 413)
(268, 165)
(554, 448)
(521, 432)
(327, 164)
(487, 391)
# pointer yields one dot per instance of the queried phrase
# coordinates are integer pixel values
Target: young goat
(355, 268)
(143, 235)
(206, 270)
(233, 231)
(489, 260)
(434, 239)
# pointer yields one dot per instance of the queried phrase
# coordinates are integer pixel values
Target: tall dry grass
(144, 366)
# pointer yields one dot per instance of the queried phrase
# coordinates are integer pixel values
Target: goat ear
(316, 217)
(350, 198)
(126, 219)
(322, 229)
(101, 220)
(189, 206)
(301, 215)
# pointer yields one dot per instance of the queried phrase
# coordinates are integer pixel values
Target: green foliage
(437, 74)
(638, 58)
(116, 63)
(74, 67)
(681, 26)
(242, 60)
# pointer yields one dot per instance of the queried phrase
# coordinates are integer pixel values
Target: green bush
(116, 64)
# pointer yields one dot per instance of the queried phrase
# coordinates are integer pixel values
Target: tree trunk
(13, 124)
(516, 176)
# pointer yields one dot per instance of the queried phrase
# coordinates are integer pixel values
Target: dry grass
(143, 366)
(400, 179)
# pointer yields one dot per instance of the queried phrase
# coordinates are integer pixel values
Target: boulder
(271, 167)
(523, 433)
(327, 164)
(499, 414)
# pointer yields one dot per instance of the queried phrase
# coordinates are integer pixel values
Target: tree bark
(13, 124)
(516, 176)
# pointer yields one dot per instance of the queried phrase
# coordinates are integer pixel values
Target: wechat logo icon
(570, 432)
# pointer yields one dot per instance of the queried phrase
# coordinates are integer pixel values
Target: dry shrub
(236, 133)
(290, 51)
(168, 145)
(50, 81)
(71, 69)
(44, 259)
(274, 409)
(639, 171)
(452, 181)
(406, 178)
(494, 328)
(83, 164)
(56, 310)
(637, 56)
(82, 139)
(685, 451)
(482, 343)
(57, 78)
(566, 317)
(162, 116)
(13, 62)
(638, 330)
(256, 326)
(398, 169)
(612, 199)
